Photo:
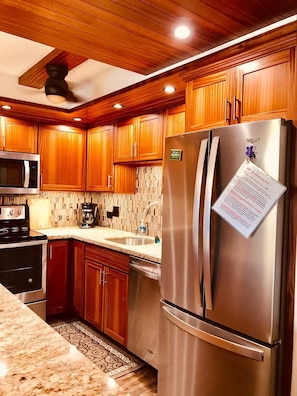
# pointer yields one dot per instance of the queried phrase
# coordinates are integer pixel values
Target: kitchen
(60, 208)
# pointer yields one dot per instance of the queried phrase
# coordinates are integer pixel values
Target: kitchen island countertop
(36, 360)
(99, 235)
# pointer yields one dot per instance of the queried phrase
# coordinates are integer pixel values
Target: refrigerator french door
(211, 271)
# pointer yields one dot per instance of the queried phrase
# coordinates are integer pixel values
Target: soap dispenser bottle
(142, 228)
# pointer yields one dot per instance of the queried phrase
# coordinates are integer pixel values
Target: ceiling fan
(56, 88)
(50, 72)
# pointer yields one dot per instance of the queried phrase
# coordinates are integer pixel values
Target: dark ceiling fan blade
(71, 97)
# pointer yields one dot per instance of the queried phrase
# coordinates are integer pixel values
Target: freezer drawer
(231, 366)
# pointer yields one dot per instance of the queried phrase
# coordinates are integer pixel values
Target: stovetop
(29, 236)
(14, 225)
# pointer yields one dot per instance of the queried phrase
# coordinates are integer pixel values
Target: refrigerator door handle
(196, 211)
(206, 221)
(239, 349)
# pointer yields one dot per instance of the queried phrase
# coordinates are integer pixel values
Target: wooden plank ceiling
(136, 35)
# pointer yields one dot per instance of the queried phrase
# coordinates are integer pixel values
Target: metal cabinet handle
(236, 114)
(105, 274)
(50, 252)
(134, 149)
(227, 113)
(109, 181)
(102, 277)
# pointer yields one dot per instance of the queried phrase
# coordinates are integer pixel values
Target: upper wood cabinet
(175, 123)
(259, 89)
(139, 139)
(207, 101)
(18, 135)
(63, 157)
(100, 175)
(263, 88)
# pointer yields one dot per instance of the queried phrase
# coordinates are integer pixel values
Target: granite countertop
(36, 360)
(98, 235)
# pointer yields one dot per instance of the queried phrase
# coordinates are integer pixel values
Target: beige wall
(61, 209)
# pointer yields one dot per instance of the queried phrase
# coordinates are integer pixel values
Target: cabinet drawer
(109, 257)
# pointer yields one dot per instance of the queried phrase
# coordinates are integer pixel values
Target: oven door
(23, 269)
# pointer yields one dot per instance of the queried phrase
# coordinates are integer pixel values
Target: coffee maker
(89, 215)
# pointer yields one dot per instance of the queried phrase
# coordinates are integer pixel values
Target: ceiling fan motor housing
(55, 84)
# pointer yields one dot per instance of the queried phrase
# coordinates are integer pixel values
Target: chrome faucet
(142, 228)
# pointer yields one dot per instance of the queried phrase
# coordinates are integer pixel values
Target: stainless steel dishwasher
(144, 309)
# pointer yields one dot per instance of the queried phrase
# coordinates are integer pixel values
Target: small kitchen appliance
(89, 215)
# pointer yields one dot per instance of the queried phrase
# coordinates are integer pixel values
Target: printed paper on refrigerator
(248, 198)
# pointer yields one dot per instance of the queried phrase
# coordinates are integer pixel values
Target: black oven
(23, 256)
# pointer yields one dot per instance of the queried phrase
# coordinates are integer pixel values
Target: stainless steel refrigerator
(221, 314)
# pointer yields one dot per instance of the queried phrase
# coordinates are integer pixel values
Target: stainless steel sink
(132, 241)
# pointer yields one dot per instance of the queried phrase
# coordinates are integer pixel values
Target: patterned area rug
(108, 357)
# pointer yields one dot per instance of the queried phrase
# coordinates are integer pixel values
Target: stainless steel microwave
(19, 173)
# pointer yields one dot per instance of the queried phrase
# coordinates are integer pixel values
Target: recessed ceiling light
(117, 106)
(169, 89)
(6, 107)
(77, 119)
(182, 32)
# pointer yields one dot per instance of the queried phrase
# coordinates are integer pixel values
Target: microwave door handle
(207, 221)
(196, 211)
(26, 174)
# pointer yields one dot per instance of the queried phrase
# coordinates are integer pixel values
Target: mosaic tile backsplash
(62, 209)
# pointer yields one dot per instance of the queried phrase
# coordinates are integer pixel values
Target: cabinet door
(116, 305)
(149, 137)
(100, 159)
(208, 102)
(57, 286)
(79, 278)
(124, 142)
(264, 88)
(62, 156)
(175, 121)
(19, 135)
(94, 293)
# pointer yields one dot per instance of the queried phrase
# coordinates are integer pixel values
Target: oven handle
(22, 244)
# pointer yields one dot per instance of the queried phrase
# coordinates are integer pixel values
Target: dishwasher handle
(145, 271)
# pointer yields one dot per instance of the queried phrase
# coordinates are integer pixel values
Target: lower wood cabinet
(57, 277)
(106, 291)
(78, 293)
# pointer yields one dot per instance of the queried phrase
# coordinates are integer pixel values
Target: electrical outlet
(116, 211)
(109, 215)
